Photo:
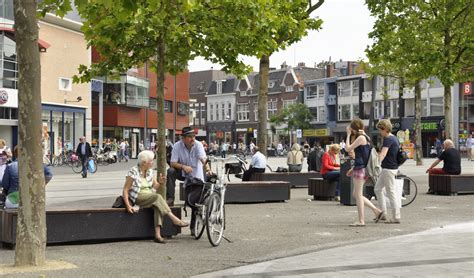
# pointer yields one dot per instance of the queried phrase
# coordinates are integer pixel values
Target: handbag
(119, 202)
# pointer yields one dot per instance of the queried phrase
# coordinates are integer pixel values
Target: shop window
(8, 62)
(183, 109)
(6, 9)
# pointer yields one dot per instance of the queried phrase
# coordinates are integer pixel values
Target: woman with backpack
(358, 142)
(386, 180)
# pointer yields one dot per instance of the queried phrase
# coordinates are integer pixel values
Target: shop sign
(126, 133)
(154, 130)
(299, 133)
(315, 132)
(429, 126)
(136, 130)
(9, 98)
(250, 130)
(219, 134)
(241, 130)
(467, 88)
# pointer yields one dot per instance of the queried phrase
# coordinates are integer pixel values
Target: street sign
(467, 88)
(97, 86)
(299, 133)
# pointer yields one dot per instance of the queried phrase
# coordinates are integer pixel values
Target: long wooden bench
(322, 189)
(294, 178)
(94, 225)
(451, 184)
(253, 192)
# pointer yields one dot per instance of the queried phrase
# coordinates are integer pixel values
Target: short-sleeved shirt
(137, 184)
(451, 160)
(181, 154)
(390, 160)
(469, 142)
(258, 161)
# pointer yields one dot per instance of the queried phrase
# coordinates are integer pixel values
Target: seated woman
(330, 169)
(11, 180)
(139, 189)
(295, 158)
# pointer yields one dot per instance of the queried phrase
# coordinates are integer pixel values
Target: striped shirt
(134, 173)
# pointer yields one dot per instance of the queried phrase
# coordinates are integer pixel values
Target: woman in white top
(295, 158)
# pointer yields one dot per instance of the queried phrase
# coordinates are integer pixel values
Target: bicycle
(238, 168)
(210, 214)
(409, 190)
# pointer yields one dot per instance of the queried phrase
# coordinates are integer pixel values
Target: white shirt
(123, 146)
(258, 161)
(469, 142)
(192, 158)
(279, 146)
(252, 145)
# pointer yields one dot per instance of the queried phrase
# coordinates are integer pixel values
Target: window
(355, 111)
(217, 112)
(272, 108)
(255, 110)
(137, 93)
(229, 111)
(223, 116)
(168, 106)
(6, 9)
(9, 113)
(316, 92)
(288, 102)
(65, 84)
(378, 110)
(289, 89)
(355, 87)
(9, 71)
(243, 112)
(153, 104)
(436, 106)
(183, 108)
(344, 112)
(321, 114)
(211, 113)
(243, 93)
(219, 87)
(203, 114)
(344, 89)
(392, 109)
(192, 114)
(271, 84)
(424, 108)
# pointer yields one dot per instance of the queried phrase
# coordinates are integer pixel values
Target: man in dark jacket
(314, 159)
(84, 151)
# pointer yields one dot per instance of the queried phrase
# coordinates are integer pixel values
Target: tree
(168, 34)
(400, 52)
(286, 22)
(295, 116)
(31, 225)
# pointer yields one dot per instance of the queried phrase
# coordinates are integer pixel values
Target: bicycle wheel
(269, 168)
(199, 226)
(76, 166)
(214, 220)
(410, 190)
(56, 160)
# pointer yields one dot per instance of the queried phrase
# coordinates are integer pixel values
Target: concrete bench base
(295, 179)
(253, 192)
(322, 189)
(451, 184)
(96, 225)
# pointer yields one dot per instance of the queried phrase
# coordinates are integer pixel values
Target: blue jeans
(334, 176)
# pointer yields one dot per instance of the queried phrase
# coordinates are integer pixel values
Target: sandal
(356, 224)
(379, 216)
(182, 224)
(159, 240)
(396, 221)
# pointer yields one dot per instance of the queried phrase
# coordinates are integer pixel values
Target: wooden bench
(294, 178)
(253, 192)
(94, 225)
(451, 184)
(322, 189)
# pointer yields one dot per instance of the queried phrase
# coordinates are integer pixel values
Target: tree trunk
(418, 143)
(448, 128)
(160, 99)
(31, 225)
(262, 104)
(372, 109)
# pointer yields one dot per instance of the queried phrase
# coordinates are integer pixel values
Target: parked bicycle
(210, 214)
(409, 190)
(238, 168)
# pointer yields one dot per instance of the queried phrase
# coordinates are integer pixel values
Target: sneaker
(337, 199)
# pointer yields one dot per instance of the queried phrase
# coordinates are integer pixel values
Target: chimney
(301, 64)
(329, 69)
(284, 65)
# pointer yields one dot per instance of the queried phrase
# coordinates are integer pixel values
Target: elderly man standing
(84, 151)
(187, 159)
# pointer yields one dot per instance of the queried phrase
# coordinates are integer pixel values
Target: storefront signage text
(315, 132)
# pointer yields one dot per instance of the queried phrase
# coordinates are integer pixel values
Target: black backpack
(402, 156)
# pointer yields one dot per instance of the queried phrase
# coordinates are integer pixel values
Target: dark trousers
(223, 154)
(84, 160)
(171, 176)
(248, 174)
(333, 176)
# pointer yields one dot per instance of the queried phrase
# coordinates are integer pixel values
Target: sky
(344, 35)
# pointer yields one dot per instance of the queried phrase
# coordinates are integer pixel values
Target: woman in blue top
(357, 140)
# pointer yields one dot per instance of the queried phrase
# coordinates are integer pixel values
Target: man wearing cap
(187, 159)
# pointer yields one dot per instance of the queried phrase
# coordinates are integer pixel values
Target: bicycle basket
(233, 168)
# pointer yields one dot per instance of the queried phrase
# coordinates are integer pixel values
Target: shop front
(221, 132)
(320, 136)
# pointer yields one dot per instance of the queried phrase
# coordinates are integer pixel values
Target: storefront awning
(43, 45)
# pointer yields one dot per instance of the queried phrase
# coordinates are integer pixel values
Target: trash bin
(346, 183)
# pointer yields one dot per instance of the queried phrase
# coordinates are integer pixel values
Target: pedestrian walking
(469, 145)
(357, 140)
(385, 186)
(224, 149)
(84, 152)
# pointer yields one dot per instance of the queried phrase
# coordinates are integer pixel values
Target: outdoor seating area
(296, 179)
(91, 225)
(451, 184)
(321, 189)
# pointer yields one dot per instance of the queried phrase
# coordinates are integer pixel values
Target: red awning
(178, 132)
(41, 43)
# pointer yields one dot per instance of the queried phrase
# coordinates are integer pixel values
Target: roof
(301, 73)
(200, 81)
(228, 86)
